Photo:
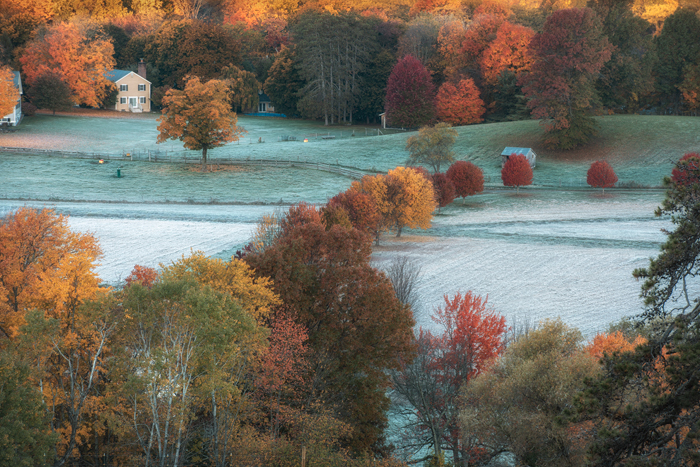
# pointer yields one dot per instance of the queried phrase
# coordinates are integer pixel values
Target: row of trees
(459, 65)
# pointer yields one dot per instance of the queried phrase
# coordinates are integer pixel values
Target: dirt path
(102, 113)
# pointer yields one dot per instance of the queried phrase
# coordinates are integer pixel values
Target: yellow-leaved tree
(79, 58)
(8, 91)
(234, 278)
(200, 116)
(50, 318)
(404, 198)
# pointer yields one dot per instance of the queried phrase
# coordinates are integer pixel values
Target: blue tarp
(266, 114)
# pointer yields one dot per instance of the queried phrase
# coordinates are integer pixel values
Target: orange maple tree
(609, 343)
(461, 104)
(9, 94)
(200, 116)
(43, 265)
(516, 171)
(601, 175)
(404, 198)
(80, 61)
(508, 51)
(467, 178)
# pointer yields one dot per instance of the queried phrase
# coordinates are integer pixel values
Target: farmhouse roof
(511, 150)
(263, 97)
(117, 75)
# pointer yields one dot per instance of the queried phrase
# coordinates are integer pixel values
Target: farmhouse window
(122, 100)
(142, 99)
(142, 87)
(123, 87)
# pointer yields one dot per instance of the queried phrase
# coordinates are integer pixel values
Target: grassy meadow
(641, 149)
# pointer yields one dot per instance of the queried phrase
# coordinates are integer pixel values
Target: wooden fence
(189, 158)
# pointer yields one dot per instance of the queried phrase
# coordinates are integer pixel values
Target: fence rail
(182, 157)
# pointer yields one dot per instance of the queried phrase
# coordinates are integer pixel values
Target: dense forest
(460, 62)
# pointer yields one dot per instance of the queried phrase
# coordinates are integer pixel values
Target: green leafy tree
(332, 50)
(432, 146)
(185, 350)
(284, 82)
(200, 116)
(243, 88)
(678, 46)
(50, 92)
(626, 79)
(26, 439)
(519, 405)
(569, 53)
(373, 92)
(190, 47)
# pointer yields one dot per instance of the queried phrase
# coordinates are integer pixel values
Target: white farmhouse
(16, 116)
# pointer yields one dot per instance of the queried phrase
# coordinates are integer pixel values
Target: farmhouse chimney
(142, 69)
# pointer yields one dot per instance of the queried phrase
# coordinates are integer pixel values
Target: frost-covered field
(539, 255)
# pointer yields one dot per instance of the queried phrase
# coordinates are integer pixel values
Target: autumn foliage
(687, 166)
(142, 275)
(80, 61)
(601, 175)
(609, 343)
(200, 116)
(409, 94)
(444, 189)
(508, 51)
(569, 53)
(430, 386)
(43, 264)
(461, 104)
(467, 178)
(404, 198)
(9, 94)
(516, 171)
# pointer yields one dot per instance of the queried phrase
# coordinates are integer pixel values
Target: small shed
(527, 152)
(382, 117)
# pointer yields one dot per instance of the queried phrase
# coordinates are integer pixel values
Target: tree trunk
(398, 231)
(204, 159)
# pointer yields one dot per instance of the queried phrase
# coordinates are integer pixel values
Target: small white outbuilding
(527, 152)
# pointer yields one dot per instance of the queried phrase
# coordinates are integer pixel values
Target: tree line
(458, 63)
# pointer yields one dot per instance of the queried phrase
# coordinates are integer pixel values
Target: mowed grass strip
(641, 149)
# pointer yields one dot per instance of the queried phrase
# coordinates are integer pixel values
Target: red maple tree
(467, 178)
(444, 189)
(142, 275)
(431, 385)
(683, 173)
(569, 54)
(361, 209)
(461, 104)
(409, 94)
(601, 175)
(516, 171)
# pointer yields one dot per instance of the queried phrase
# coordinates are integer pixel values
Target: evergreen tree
(678, 46)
